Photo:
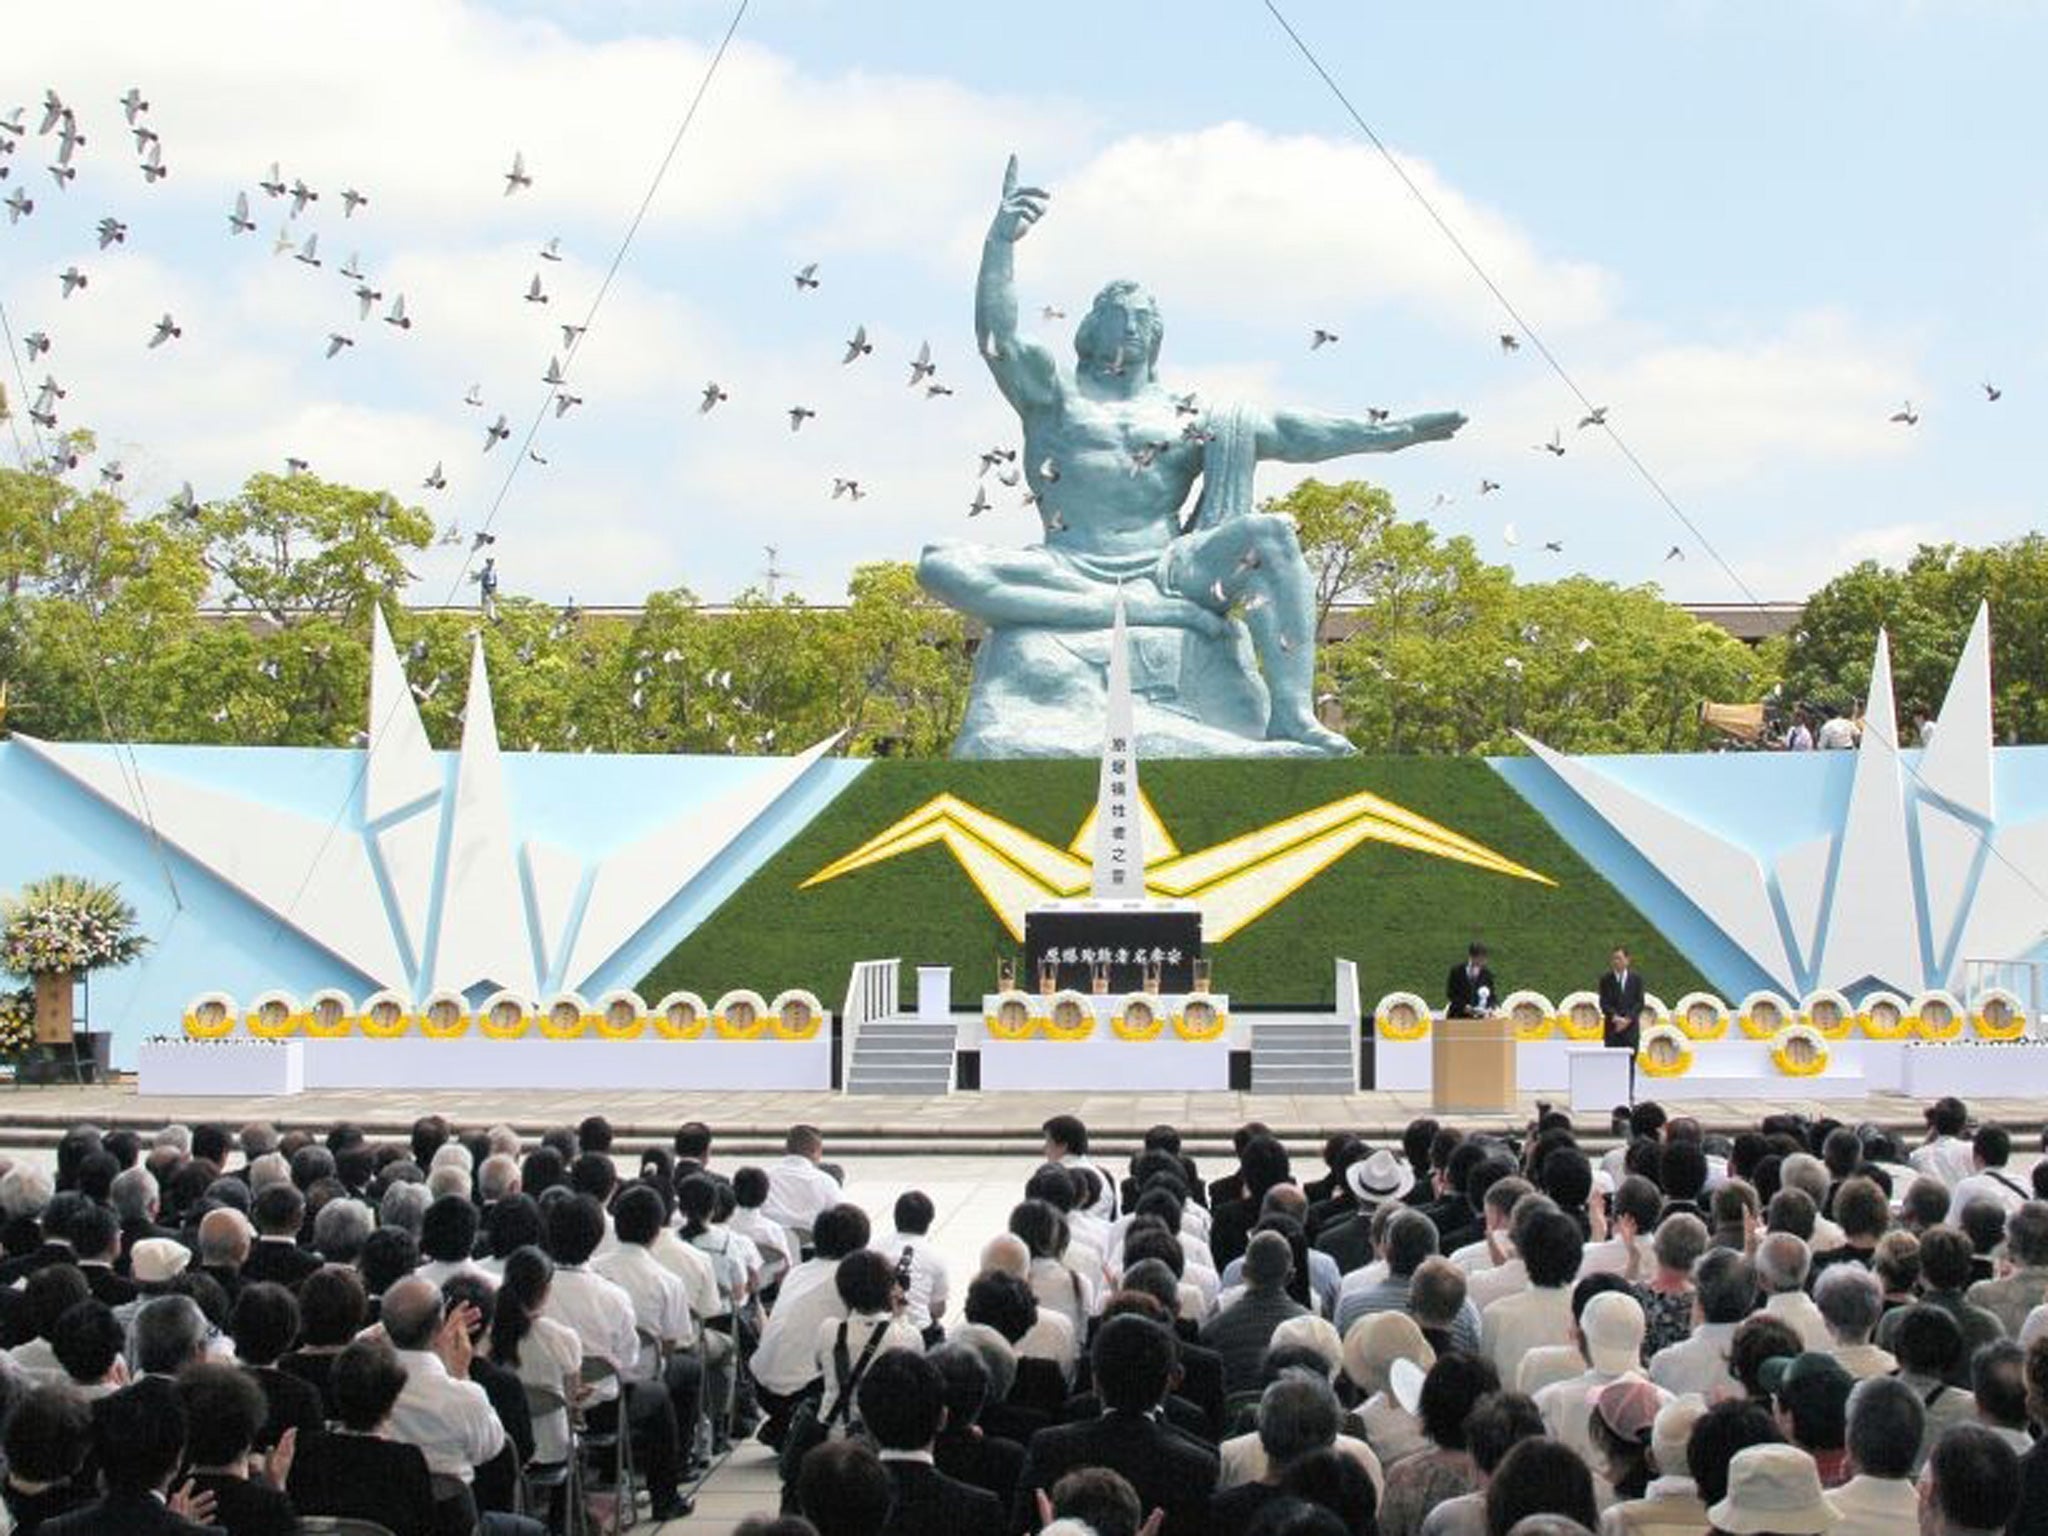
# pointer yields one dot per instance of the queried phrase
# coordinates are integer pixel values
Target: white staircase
(1304, 1053)
(887, 1050)
(902, 1056)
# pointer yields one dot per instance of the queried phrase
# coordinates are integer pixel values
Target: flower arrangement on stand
(67, 924)
(53, 931)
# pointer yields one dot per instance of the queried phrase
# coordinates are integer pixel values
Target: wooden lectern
(1473, 1066)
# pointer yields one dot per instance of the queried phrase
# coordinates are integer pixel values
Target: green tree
(1446, 653)
(1926, 608)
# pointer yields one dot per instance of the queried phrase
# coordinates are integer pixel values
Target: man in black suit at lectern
(1469, 991)
(1621, 1009)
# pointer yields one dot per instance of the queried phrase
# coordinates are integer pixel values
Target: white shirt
(1698, 1364)
(1950, 1159)
(450, 1421)
(1474, 1257)
(1050, 1338)
(1063, 1290)
(929, 1284)
(599, 1314)
(1516, 1324)
(1996, 1185)
(1483, 1287)
(694, 1268)
(1864, 1361)
(1543, 1367)
(896, 1331)
(1837, 734)
(438, 1272)
(1797, 1311)
(1393, 1432)
(1566, 1413)
(1877, 1506)
(1244, 1460)
(786, 1359)
(798, 1191)
(661, 1304)
(37, 1359)
(1611, 1257)
(778, 1250)
(551, 1356)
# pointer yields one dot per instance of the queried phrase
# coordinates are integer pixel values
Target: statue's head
(1124, 317)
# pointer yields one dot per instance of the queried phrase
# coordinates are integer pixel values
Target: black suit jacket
(107, 1286)
(1461, 992)
(986, 1461)
(1348, 1240)
(1182, 1414)
(290, 1402)
(367, 1478)
(929, 1503)
(122, 1514)
(1169, 1470)
(1624, 1002)
(282, 1263)
(40, 1257)
(245, 1508)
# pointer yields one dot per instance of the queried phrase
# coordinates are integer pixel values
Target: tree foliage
(111, 627)
(1926, 609)
(1446, 653)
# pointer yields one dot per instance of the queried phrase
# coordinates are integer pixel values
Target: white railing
(2023, 978)
(872, 992)
(1351, 1009)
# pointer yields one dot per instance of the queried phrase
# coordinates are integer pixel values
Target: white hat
(1404, 1381)
(1773, 1488)
(1672, 1433)
(157, 1259)
(1311, 1332)
(1381, 1177)
(1612, 1325)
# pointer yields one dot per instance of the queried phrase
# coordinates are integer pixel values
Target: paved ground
(968, 1119)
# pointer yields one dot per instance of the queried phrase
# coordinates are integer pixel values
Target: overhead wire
(126, 763)
(1556, 365)
(519, 459)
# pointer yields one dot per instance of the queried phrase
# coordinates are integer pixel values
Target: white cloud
(1238, 220)
(1707, 414)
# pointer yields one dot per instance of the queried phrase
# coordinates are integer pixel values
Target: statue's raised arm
(1024, 370)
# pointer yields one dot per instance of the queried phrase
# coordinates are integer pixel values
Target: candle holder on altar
(1201, 976)
(1154, 973)
(1098, 977)
(1006, 975)
(1048, 976)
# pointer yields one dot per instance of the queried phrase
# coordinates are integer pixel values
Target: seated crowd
(1804, 1328)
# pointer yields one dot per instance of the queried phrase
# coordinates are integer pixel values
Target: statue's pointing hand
(1435, 426)
(1020, 208)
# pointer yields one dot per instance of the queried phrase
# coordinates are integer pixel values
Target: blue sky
(1751, 230)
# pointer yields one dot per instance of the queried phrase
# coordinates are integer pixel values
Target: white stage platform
(1740, 1068)
(1104, 1060)
(242, 1068)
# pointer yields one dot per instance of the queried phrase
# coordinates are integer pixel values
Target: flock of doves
(59, 125)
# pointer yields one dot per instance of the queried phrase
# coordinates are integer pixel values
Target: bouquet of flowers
(67, 923)
(17, 1021)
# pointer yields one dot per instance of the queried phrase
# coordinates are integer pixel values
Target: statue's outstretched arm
(1023, 369)
(1308, 437)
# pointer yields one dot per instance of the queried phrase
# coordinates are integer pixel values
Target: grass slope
(1404, 917)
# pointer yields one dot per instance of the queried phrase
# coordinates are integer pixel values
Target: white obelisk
(1119, 833)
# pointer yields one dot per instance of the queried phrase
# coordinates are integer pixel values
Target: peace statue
(1110, 457)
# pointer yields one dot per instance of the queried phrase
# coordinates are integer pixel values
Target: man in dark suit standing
(1621, 1009)
(1133, 1360)
(902, 1400)
(1469, 989)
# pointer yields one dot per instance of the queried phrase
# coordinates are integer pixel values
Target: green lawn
(1405, 917)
